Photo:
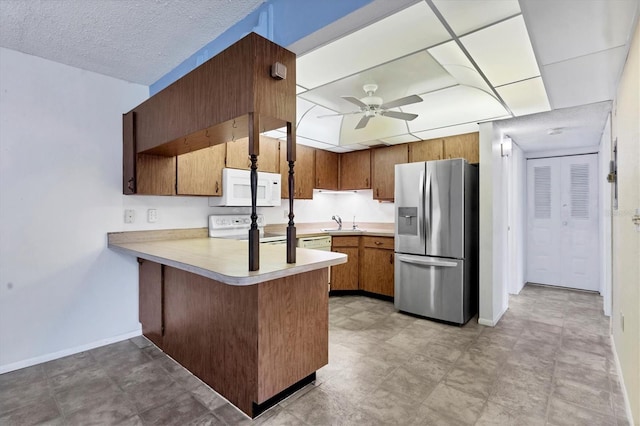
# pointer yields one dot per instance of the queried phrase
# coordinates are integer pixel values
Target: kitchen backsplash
(324, 205)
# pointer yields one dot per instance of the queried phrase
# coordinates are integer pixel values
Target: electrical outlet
(622, 321)
(129, 216)
(152, 215)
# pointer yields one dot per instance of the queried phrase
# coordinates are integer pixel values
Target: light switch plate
(152, 215)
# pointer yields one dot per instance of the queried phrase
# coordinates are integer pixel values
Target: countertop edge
(228, 279)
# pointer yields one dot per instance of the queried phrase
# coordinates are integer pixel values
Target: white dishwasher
(317, 243)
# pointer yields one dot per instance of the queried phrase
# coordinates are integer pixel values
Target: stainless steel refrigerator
(436, 239)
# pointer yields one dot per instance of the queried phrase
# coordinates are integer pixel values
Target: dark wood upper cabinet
(326, 170)
(200, 172)
(211, 105)
(383, 161)
(304, 172)
(268, 161)
(465, 146)
(427, 150)
(355, 170)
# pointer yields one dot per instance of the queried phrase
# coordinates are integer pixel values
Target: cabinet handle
(217, 187)
(391, 258)
(377, 243)
(377, 192)
(366, 181)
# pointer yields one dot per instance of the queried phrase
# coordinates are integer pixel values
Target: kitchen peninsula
(250, 335)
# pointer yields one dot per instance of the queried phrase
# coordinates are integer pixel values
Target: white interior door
(562, 216)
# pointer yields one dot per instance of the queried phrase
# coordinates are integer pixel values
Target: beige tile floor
(547, 362)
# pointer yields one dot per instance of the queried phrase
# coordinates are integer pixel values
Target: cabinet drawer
(378, 242)
(351, 241)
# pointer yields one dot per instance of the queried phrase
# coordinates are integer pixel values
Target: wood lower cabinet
(200, 172)
(355, 170)
(326, 170)
(304, 172)
(249, 342)
(465, 146)
(383, 161)
(150, 300)
(268, 161)
(345, 276)
(427, 150)
(376, 265)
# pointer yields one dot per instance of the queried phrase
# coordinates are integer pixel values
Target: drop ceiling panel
(584, 80)
(447, 131)
(405, 32)
(503, 52)
(313, 143)
(325, 129)
(456, 105)
(453, 59)
(570, 28)
(414, 74)
(377, 128)
(400, 139)
(467, 15)
(525, 97)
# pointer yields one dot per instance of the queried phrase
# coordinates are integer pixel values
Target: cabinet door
(463, 146)
(268, 160)
(155, 175)
(326, 170)
(345, 276)
(428, 150)
(355, 170)
(377, 271)
(150, 300)
(304, 172)
(200, 172)
(383, 169)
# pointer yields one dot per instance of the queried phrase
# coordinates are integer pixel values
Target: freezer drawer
(432, 287)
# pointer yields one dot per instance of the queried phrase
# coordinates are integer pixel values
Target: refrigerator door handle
(421, 226)
(426, 262)
(427, 202)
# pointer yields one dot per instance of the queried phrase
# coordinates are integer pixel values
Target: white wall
(493, 287)
(517, 219)
(626, 238)
(604, 156)
(61, 289)
(324, 205)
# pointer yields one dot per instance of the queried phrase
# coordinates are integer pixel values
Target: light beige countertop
(223, 260)
(316, 229)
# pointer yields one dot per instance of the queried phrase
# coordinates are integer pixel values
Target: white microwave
(236, 189)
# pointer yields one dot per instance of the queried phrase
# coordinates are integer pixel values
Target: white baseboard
(627, 404)
(492, 322)
(66, 352)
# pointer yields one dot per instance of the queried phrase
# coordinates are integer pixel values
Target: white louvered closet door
(563, 238)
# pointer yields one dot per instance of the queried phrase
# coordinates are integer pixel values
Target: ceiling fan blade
(339, 114)
(355, 101)
(363, 122)
(401, 115)
(407, 100)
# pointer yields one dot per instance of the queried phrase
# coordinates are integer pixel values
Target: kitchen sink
(341, 230)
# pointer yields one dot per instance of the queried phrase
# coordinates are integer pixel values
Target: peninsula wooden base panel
(249, 343)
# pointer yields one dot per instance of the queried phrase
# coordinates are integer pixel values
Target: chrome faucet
(338, 221)
(355, 227)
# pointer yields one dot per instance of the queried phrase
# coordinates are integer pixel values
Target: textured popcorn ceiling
(142, 39)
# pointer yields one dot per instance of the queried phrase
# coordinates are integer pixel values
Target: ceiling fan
(372, 106)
